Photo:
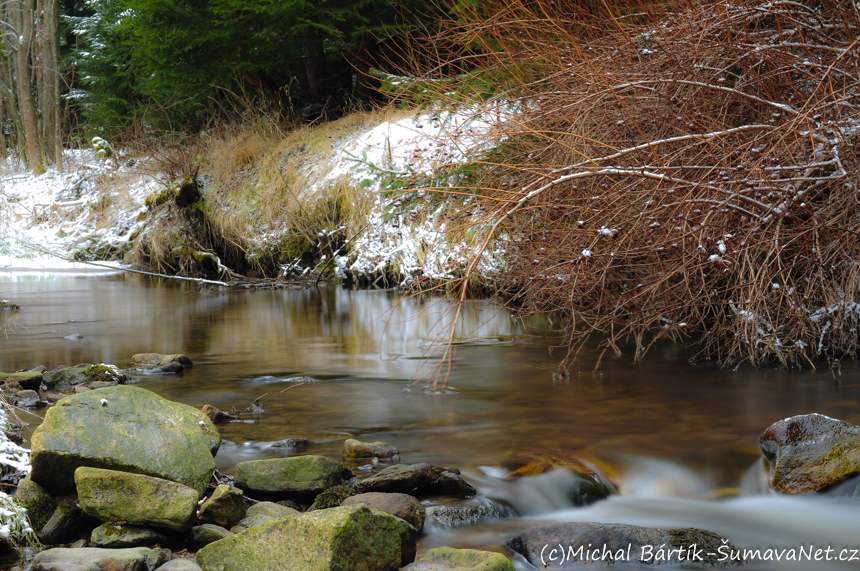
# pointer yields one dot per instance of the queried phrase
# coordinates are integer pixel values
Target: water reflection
(670, 436)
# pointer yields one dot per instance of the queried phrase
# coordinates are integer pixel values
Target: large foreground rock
(448, 559)
(91, 558)
(123, 428)
(558, 545)
(299, 476)
(418, 480)
(810, 452)
(353, 538)
(135, 499)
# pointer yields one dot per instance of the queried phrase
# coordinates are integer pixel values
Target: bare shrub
(669, 171)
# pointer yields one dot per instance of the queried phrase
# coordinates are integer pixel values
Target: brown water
(679, 441)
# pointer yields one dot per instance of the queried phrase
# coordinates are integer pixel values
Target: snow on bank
(13, 518)
(44, 218)
(407, 233)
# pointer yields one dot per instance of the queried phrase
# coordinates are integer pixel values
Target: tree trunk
(312, 48)
(23, 13)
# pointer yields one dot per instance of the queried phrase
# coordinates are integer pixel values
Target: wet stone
(810, 453)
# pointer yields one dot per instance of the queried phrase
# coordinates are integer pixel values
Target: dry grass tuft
(671, 170)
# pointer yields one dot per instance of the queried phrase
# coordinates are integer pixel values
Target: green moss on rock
(135, 499)
(127, 429)
(298, 476)
(449, 559)
(353, 538)
(39, 504)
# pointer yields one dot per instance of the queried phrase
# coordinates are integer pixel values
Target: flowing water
(678, 441)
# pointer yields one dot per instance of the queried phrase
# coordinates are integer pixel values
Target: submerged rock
(403, 506)
(61, 559)
(153, 360)
(135, 499)
(226, 507)
(299, 476)
(353, 538)
(123, 428)
(417, 479)
(117, 536)
(352, 448)
(449, 559)
(576, 544)
(810, 452)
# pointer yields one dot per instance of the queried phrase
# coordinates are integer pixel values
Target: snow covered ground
(44, 219)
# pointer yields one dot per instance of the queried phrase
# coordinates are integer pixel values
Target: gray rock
(621, 541)
(203, 535)
(448, 559)
(299, 476)
(39, 504)
(123, 428)
(173, 367)
(270, 509)
(65, 523)
(91, 558)
(226, 507)
(810, 453)
(418, 480)
(450, 516)
(27, 399)
(135, 499)
(159, 360)
(116, 536)
(403, 506)
(157, 557)
(352, 449)
(292, 443)
(180, 565)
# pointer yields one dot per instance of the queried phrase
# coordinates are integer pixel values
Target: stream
(679, 441)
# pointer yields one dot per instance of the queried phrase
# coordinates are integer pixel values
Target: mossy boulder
(123, 428)
(226, 507)
(118, 536)
(300, 476)
(353, 538)
(39, 504)
(449, 559)
(29, 380)
(418, 480)
(135, 499)
(810, 453)
(62, 559)
(160, 359)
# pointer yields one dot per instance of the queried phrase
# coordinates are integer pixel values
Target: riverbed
(679, 441)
